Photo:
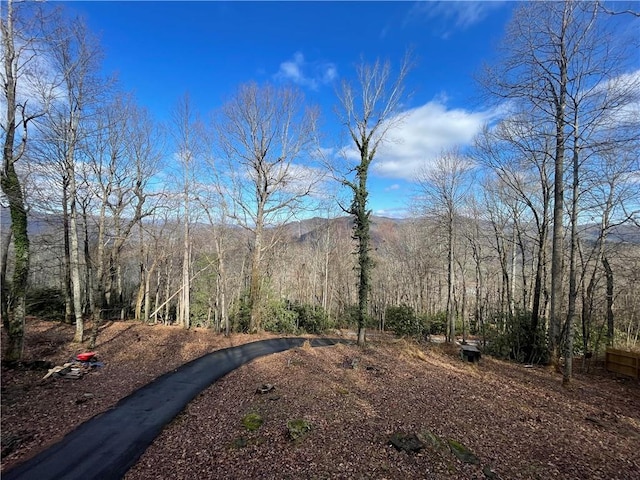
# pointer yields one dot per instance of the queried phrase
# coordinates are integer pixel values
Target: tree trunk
(147, 296)
(539, 280)
(222, 288)
(362, 236)
(185, 301)
(573, 282)
(68, 289)
(142, 283)
(167, 294)
(557, 253)
(4, 291)
(610, 325)
(123, 307)
(478, 290)
(451, 319)
(157, 298)
(140, 295)
(75, 262)
(11, 187)
(255, 281)
(463, 307)
(89, 299)
(514, 255)
(97, 291)
(16, 306)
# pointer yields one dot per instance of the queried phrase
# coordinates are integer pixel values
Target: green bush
(518, 340)
(435, 324)
(349, 319)
(240, 315)
(46, 303)
(283, 316)
(279, 318)
(311, 318)
(402, 321)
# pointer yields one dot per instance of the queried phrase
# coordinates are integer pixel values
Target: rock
(73, 373)
(84, 398)
(432, 439)
(490, 474)
(239, 442)
(462, 453)
(409, 443)
(265, 388)
(350, 363)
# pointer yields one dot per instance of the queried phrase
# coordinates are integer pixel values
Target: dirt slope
(518, 422)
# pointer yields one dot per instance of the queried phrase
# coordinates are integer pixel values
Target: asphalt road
(107, 445)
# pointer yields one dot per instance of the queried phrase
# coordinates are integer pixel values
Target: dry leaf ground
(519, 422)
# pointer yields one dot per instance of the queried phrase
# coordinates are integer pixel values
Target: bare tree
(213, 200)
(619, 12)
(265, 138)
(521, 159)
(443, 188)
(75, 57)
(188, 140)
(368, 110)
(556, 57)
(123, 157)
(20, 44)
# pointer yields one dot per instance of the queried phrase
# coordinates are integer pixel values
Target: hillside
(312, 229)
(517, 422)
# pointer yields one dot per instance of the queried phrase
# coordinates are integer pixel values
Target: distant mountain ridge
(312, 229)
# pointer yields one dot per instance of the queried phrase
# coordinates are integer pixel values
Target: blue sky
(160, 50)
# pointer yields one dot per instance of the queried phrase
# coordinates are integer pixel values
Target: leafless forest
(239, 220)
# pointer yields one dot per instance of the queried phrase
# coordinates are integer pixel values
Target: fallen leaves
(518, 422)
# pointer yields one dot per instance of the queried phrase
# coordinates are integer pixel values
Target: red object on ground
(85, 357)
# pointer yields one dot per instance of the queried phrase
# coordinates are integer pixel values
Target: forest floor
(517, 422)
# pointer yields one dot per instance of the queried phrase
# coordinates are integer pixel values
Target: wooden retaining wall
(624, 363)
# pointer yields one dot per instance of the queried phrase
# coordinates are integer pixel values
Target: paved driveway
(107, 445)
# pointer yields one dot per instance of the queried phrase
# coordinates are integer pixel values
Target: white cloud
(393, 187)
(423, 134)
(301, 179)
(625, 88)
(292, 69)
(453, 15)
(322, 153)
(305, 73)
(398, 213)
(38, 83)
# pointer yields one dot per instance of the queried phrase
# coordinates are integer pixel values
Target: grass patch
(298, 428)
(252, 421)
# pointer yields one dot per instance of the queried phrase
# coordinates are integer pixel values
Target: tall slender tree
(266, 137)
(123, 157)
(368, 110)
(444, 188)
(18, 75)
(75, 56)
(187, 135)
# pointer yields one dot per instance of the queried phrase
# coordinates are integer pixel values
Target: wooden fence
(624, 363)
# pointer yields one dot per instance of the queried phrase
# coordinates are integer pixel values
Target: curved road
(107, 445)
